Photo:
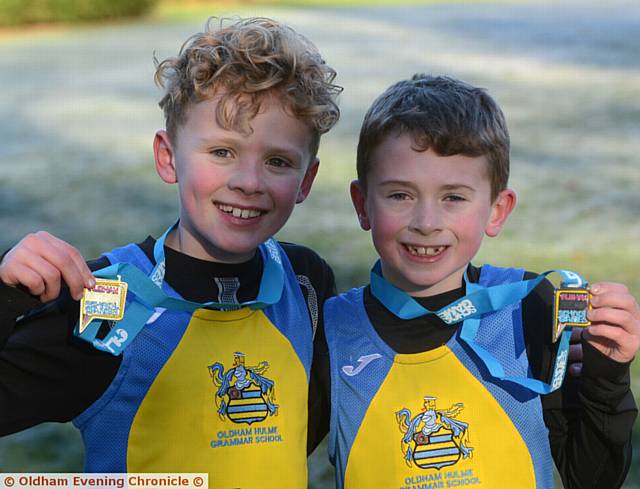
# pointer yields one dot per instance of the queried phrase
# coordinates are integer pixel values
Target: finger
(76, 273)
(43, 280)
(575, 353)
(576, 336)
(13, 263)
(617, 300)
(62, 256)
(604, 287)
(607, 332)
(39, 253)
(28, 278)
(620, 318)
(88, 280)
(24, 267)
(613, 341)
(575, 369)
(50, 276)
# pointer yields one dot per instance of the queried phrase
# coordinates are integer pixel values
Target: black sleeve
(591, 442)
(15, 303)
(319, 383)
(315, 277)
(589, 418)
(319, 393)
(46, 374)
(317, 282)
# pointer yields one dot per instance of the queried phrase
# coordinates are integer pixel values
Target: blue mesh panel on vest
(501, 333)
(346, 323)
(105, 425)
(509, 345)
(291, 318)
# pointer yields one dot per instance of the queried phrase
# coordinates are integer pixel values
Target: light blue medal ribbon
(478, 301)
(147, 298)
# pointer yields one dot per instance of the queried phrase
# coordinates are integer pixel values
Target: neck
(453, 281)
(183, 241)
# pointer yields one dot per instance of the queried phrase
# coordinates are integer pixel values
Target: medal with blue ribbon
(146, 299)
(572, 301)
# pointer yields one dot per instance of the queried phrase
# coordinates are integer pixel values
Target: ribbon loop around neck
(147, 299)
(469, 309)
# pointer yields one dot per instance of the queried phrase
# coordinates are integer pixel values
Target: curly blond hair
(243, 61)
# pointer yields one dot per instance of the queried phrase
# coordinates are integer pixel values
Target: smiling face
(427, 214)
(236, 190)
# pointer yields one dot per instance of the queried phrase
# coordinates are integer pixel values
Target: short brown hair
(443, 114)
(243, 61)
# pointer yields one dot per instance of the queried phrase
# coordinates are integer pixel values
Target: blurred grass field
(78, 110)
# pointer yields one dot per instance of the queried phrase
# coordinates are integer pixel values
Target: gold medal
(570, 309)
(105, 301)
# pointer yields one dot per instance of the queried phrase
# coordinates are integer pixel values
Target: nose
(426, 218)
(247, 177)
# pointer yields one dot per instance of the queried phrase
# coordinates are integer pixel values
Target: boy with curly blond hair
(208, 371)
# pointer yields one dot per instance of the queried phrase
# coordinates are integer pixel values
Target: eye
(399, 196)
(221, 153)
(454, 198)
(278, 162)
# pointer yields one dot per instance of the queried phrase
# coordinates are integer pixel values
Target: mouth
(425, 251)
(240, 212)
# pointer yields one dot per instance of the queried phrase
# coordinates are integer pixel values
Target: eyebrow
(389, 183)
(208, 141)
(407, 183)
(291, 151)
(458, 186)
(288, 151)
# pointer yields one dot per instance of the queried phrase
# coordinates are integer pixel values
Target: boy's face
(236, 190)
(427, 214)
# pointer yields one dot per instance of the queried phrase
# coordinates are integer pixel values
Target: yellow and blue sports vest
(220, 392)
(434, 419)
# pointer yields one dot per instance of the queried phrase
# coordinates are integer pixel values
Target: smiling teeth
(237, 212)
(425, 250)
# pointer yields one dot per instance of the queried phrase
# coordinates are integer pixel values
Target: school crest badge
(433, 438)
(243, 394)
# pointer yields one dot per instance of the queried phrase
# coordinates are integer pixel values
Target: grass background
(78, 110)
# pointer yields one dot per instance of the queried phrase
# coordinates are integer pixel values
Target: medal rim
(122, 300)
(557, 330)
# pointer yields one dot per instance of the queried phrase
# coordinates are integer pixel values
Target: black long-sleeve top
(46, 374)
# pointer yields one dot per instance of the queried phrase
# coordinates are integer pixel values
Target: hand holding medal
(615, 321)
(40, 262)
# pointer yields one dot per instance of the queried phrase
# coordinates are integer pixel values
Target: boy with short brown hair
(435, 364)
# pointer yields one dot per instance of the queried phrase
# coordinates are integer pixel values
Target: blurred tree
(16, 12)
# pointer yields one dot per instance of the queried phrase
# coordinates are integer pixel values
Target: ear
(165, 157)
(359, 198)
(500, 210)
(307, 181)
